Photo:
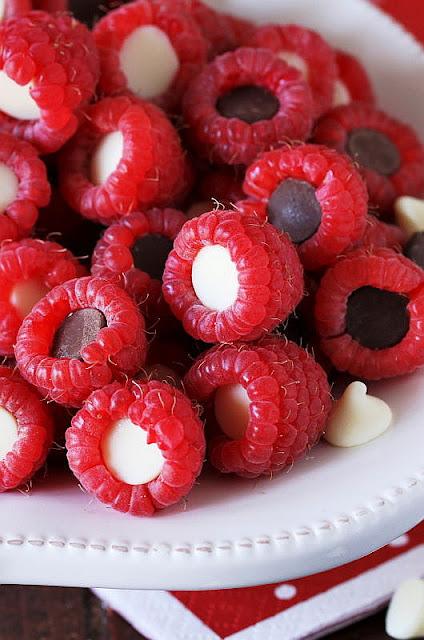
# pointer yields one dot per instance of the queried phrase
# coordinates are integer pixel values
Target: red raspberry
(154, 177)
(313, 194)
(388, 153)
(170, 426)
(353, 83)
(28, 270)
(122, 31)
(132, 254)
(381, 234)
(29, 432)
(215, 26)
(56, 59)
(222, 185)
(231, 277)
(24, 187)
(307, 51)
(67, 353)
(12, 8)
(369, 313)
(244, 103)
(266, 406)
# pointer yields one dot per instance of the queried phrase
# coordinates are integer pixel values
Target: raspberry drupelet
(305, 50)
(137, 448)
(103, 174)
(265, 405)
(231, 277)
(78, 338)
(313, 194)
(369, 313)
(29, 268)
(49, 70)
(132, 253)
(244, 103)
(352, 83)
(388, 153)
(150, 49)
(24, 187)
(27, 431)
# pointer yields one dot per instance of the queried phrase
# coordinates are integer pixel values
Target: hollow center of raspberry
(149, 61)
(294, 209)
(128, 456)
(231, 405)
(106, 157)
(78, 330)
(249, 103)
(150, 253)
(377, 318)
(215, 278)
(341, 94)
(9, 185)
(16, 100)
(8, 432)
(373, 150)
(26, 293)
(295, 61)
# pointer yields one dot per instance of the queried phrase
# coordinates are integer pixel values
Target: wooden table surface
(56, 613)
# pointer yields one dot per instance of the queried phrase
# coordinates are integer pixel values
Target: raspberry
(67, 353)
(381, 234)
(305, 50)
(29, 268)
(27, 432)
(313, 194)
(132, 253)
(223, 185)
(164, 41)
(369, 314)
(231, 277)
(126, 420)
(266, 406)
(53, 63)
(353, 83)
(24, 187)
(244, 103)
(103, 173)
(10, 8)
(389, 155)
(215, 26)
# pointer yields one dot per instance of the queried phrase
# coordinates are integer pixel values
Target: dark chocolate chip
(293, 208)
(150, 253)
(248, 103)
(373, 150)
(414, 249)
(77, 331)
(377, 318)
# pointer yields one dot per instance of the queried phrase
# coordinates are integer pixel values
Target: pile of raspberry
(197, 237)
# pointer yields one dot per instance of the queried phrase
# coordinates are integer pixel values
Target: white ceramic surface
(331, 508)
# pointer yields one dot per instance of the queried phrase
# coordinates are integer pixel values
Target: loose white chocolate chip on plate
(357, 418)
(409, 213)
(405, 615)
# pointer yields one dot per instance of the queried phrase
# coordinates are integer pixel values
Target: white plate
(331, 508)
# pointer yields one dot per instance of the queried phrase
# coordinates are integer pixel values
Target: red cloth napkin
(305, 608)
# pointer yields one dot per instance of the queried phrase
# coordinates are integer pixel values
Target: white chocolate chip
(148, 61)
(15, 99)
(231, 407)
(409, 213)
(8, 432)
(26, 293)
(341, 94)
(215, 277)
(357, 418)
(106, 157)
(405, 615)
(9, 185)
(128, 456)
(295, 61)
